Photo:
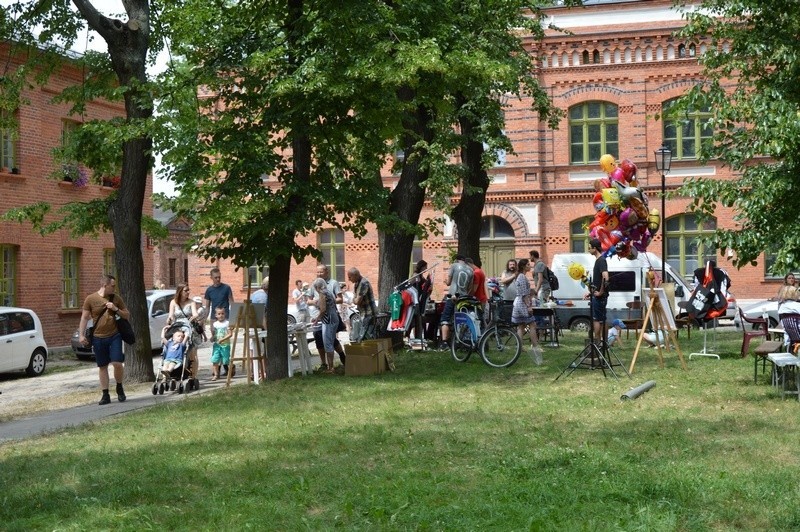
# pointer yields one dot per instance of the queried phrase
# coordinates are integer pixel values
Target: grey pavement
(85, 380)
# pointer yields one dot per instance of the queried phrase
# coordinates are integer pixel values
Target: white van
(626, 280)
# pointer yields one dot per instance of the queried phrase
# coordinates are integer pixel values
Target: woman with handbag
(184, 310)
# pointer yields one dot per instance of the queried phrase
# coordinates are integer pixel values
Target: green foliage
(751, 66)
(79, 218)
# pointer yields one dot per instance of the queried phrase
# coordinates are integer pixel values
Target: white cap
(198, 300)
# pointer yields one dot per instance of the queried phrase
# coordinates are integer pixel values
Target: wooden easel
(656, 316)
(246, 320)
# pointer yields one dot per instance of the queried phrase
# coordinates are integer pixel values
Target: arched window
(595, 57)
(685, 132)
(496, 227)
(685, 253)
(681, 50)
(331, 245)
(579, 235)
(586, 57)
(593, 131)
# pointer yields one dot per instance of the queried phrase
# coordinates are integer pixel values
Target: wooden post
(659, 321)
(246, 321)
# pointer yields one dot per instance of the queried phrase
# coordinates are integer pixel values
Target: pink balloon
(617, 175)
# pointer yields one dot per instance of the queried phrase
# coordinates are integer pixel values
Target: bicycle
(499, 346)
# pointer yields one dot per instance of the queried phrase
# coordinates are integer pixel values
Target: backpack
(552, 280)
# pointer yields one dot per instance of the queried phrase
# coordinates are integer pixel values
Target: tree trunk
(467, 214)
(277, 362)
(127, 46)
(405, 201)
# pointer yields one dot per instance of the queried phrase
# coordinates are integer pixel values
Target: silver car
(22, 345)
(158, 312)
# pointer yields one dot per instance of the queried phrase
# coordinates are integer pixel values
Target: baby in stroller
(174, 352)
(176, 366)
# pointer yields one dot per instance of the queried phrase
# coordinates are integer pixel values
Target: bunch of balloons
(623, 223)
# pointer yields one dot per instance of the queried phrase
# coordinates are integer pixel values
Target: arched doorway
(497, 245)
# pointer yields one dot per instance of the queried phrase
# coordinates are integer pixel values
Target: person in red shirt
(478, 285)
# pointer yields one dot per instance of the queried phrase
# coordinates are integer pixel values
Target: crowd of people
(327, 306)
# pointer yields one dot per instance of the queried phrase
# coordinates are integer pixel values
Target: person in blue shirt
(218, 295)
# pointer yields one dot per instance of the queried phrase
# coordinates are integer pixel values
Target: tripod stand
(594, 356)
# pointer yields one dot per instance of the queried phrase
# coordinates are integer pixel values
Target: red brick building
(50, 274)
(618, 69)
(170, 258)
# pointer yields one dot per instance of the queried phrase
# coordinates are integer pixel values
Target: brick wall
(39, 258)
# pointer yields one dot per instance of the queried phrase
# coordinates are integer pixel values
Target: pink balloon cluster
(622, 221)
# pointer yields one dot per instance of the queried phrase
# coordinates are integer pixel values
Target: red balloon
(628, 169)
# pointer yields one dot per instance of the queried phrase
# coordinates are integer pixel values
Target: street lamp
(663, 163)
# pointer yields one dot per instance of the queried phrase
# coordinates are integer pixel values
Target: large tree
(751, 62)
(42, 29)
(469, 58)
(276, 143)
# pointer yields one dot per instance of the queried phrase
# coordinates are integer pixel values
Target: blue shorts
(107, 350)
(221, 353)
(599, 308)
(447, 312)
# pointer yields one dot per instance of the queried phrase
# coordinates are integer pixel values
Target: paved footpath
(83, 380)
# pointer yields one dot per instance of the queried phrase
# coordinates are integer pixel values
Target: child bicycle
(499, 345)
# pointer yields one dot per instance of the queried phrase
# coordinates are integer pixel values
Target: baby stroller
(181, 377)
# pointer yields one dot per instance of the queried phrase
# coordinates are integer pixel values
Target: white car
(158, 312)
(757, 310)
(22, 345)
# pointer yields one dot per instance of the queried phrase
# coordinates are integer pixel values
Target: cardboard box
(381, 344)
(367, 358)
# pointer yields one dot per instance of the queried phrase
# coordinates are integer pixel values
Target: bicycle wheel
(461, 344)
(500, 347)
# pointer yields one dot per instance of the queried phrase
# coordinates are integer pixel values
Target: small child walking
(221, 351)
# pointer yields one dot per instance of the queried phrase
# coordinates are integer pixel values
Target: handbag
(198, 328)
(126, 331)
(89, 332)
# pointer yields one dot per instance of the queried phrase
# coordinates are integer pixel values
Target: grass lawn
(435, 445)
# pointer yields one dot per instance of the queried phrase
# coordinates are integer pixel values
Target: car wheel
(580, 325)
(37, 364)
(290, 320)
